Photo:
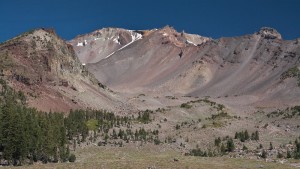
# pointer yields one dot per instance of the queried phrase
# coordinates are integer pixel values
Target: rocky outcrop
(47, 69)
(269, 33)
(41, 56)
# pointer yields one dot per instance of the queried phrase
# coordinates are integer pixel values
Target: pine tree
(256, 135)
(230, 145)
(236, 136)
(264, 154)
(1, 130)
(114, 134)
(297, 151)
(72, 158)
(246, 135)
(12, 133)
(271, 146)
(217, 141)
(223, 149)
(245, 148)
(288, 154)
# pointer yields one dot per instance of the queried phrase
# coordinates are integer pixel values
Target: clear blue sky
(212, 18)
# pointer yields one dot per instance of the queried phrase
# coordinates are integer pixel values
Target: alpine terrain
(157, 98)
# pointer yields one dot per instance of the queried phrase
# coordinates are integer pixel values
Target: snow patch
(116, 40)
(110, 55)
(191, 42)
(134, 37)
(79, 44)
(82, 43)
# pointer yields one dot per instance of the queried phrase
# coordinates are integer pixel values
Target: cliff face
(39, 57)
(46, 68)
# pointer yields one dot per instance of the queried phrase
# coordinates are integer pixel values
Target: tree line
(28, 135)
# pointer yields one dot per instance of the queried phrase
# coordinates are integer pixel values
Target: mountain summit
(164, 60)
(269, 33)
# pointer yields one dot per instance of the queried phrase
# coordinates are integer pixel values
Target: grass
(152, 156)
(92, 124)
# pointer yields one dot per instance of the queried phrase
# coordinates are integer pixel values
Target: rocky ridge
(169, 61)
(47, 69)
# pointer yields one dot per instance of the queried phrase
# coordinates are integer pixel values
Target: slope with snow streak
(134, 37)
(165, 63)
(100, 44)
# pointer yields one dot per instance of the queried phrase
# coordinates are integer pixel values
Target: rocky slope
(249, 68)
(47, 70)
(101, 44)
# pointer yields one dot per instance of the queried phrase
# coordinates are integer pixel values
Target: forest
(28, 135)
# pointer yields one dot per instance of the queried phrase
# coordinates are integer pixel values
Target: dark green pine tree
(246, 135)
(29, 135)
(256, 135)
(297, 150)
(218, 142)
(223, 149)
(13, 136)
(1, 135)
(288, 154)
(230, 145)
(271, 146)
(264, 154)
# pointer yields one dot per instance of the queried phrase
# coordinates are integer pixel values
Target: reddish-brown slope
(46, 68)
(168, 61)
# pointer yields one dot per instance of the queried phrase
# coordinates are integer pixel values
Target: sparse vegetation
(144, 116)
(171, 97)
(289, 112)
(244, 136)
(293, 72)
(220, 115)
(199, 152)
(186, 106)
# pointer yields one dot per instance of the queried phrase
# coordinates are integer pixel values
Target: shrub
(264, 154)
(72, 158)
(185, 105)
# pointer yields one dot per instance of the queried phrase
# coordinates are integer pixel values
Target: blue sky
(212, 18)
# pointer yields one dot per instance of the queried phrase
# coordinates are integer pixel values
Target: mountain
(252, 68)
(149, 90)
(101, 44)
(47, 70)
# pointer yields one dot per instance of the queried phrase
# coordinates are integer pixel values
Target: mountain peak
(269, 33)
